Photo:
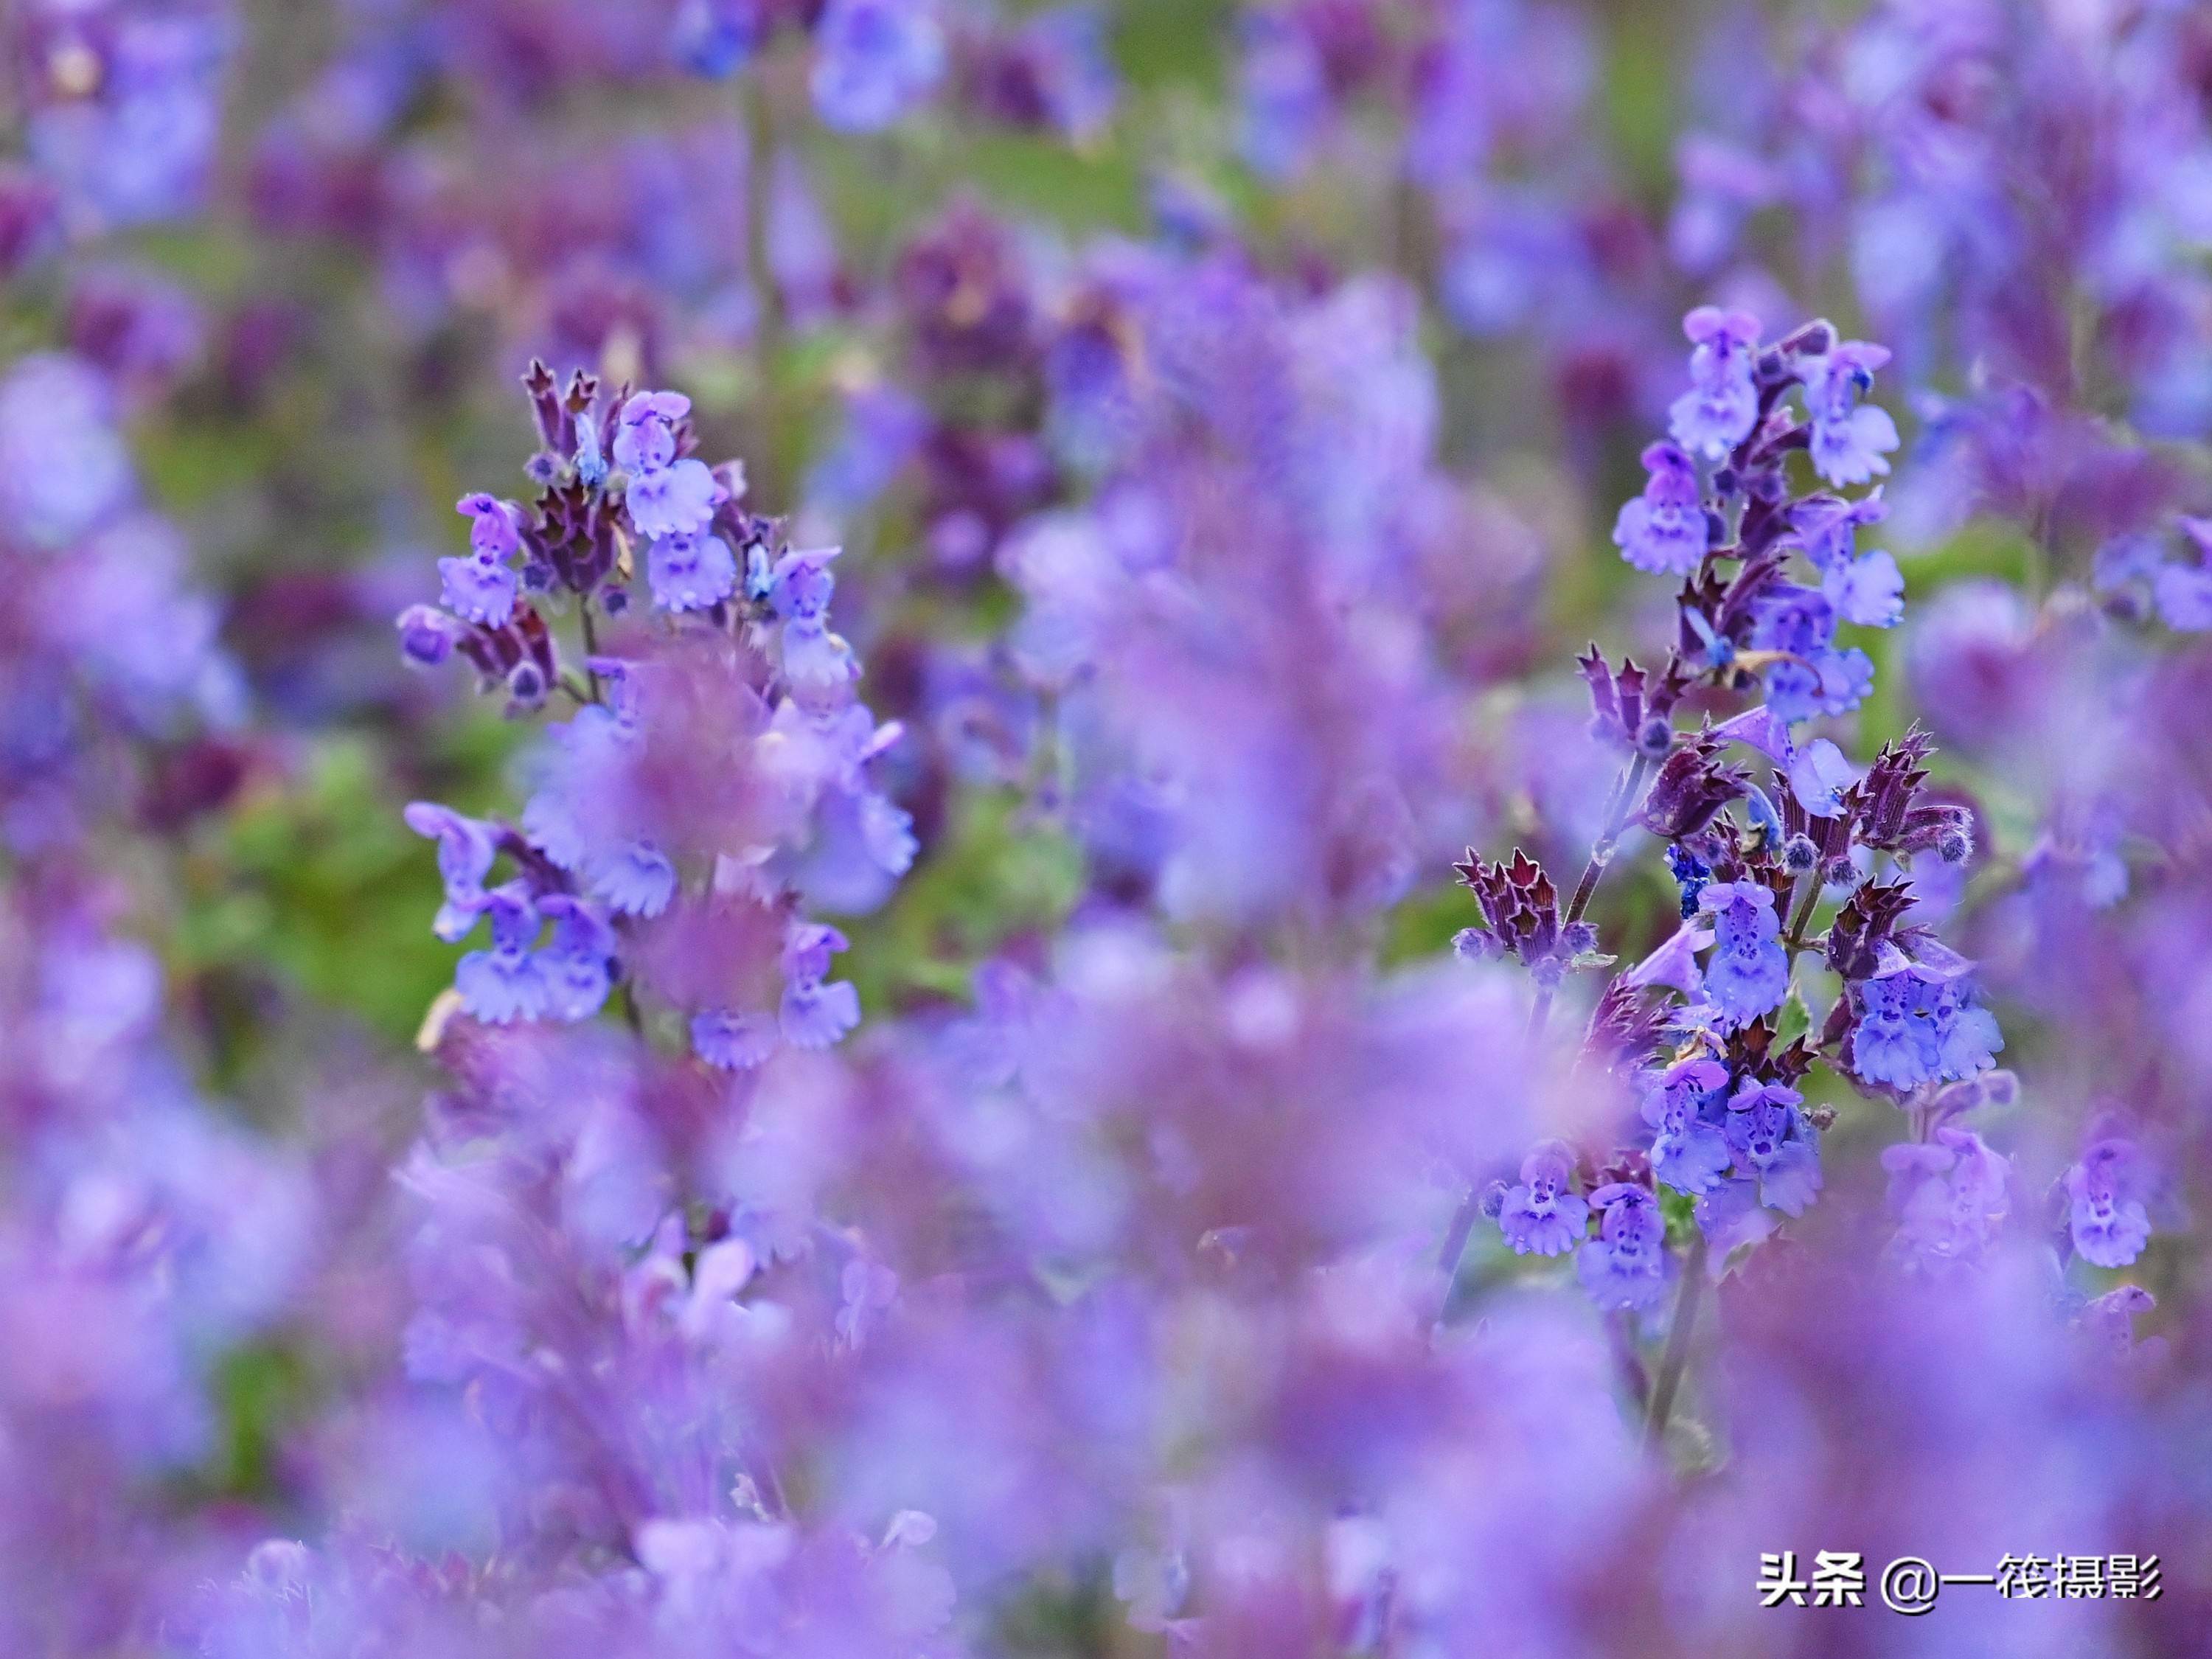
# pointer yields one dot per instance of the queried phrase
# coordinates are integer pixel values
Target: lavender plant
(1726, 1144)
(714, 772)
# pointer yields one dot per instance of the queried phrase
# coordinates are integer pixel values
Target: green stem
(1677, 1357)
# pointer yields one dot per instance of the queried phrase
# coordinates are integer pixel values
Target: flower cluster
(1729, 1130)
(715, 773)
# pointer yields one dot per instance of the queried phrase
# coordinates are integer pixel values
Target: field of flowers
(1248, 828)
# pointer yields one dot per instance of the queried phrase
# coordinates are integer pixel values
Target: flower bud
(525, 684)
(1799, 855)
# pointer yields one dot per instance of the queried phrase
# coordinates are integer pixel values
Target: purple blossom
(1949, 1195)
(1627, 1265)
(426, 635)
(2105, 1212)
(1749, 971)
(494, 527)
(1813, 677)
(1718, 411)
(733, 1041)
(691, 573)
(814, 1015)
(633, 879)
(1818, 777)
(1772, 1145)
(466, 848)
(1730, 1216)
(874, 59)
(1675, 962)
(1283, 93)
(1868, 590)
(676, 499)
(1663, 530)
(645, 436)
(480, 590)
(1915, 1026)
(1542, 1216)
(1690, 1152)
(1828, 526)
(507, 983)
(576, 965)
(62, 464)
(1850, 439)
(2184, 591)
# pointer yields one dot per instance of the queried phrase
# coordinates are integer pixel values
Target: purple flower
(634, 880)
(427, 635)
(691, 573)
(676, 499)
(1690, 1152)
(800, 584)
(1663, 530)
(2183, 592)
(62, 464)
(1814, 677)
(1868, 590)
(576, 966)
(1675, 962)
(466, 848)
(1749, 972)
(1827, 526)
(2105, 1212)
(1283, 93)
(1721, 406)
(815, 662)
(716, 38)
(814, 1015)
(1818, 777)
(733, 1042)
(505, 984)
(1731, 1216)
(493, 526)
(1916, 1026)
(1848, 439)
(479, 590)
(1541, 1216)
(874, 59)
(645, 431)
(1949, 1195)
(1772, 1144)
(1627, 1265)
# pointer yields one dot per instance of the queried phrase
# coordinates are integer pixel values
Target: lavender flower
(875, 60)
(691, 572)
(505, 983)
(1541, 1216)
(1949, 1195)
(2106, 1213)
(1663, 530)
(1915, 1026)
(1770, 1143)
(1721, 405)
(1748, 973)
(1850, 439)
(1627, 1265)
(1690, 1152)
(466, 850)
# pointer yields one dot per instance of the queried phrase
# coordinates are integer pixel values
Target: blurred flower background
(1353, 827)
